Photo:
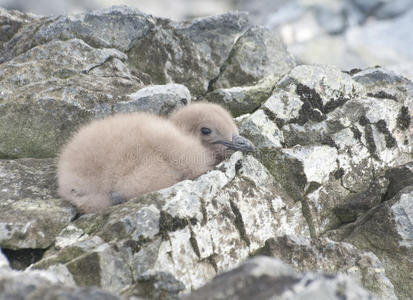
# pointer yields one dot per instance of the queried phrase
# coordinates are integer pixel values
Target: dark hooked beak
(238, 143)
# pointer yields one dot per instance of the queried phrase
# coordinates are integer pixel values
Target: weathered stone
(265, 278)
(158, 99)
(259, 128)
(241, 100)
(16, 285)
(156, 286)
(10, 23)
(337, 147)
(189, 53)
(386, 230)
(191, 230)
(52, 89)
(327, 256)
(270, 57)
(32, 215)
(126, 25)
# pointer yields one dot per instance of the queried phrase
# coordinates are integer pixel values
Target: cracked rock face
(329, 188)
(57, 73)
(265, 278)
(192, 230)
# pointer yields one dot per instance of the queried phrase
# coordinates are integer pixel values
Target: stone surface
(386, 230)
(11, 22)
(325, 255)
(32, 214)
(265, 278)
(191, 230)
(329, 187)
(16, 285)
(242, 100)
(270, 57)
(158, 99)
(58, 73)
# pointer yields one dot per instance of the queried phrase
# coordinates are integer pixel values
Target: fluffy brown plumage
(112, 160)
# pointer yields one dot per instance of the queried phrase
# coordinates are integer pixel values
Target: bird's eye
(205, 131)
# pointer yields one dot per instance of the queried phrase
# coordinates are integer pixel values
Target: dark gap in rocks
(338, 174)
(363, 121)
(204, 212)
(272, 116)
(381, 126)
(22, 258)
(371, 145)
(160, 285)
(133, 245)
(327, 140)
(239, 223)
(382, 95)
(312, 107)
(309, 95)
(356, 133)
(352, 71)
(167, 223)
(312, 186)
(305, 208)
(213, 263)
(403, 118)
(359, 203)
(399, 178)
(194, 244)
(238, 166)
(335, 103)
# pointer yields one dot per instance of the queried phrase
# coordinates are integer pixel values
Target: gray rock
(261, 130)
(242, 100)
(207, 43)
(241, 68)
(42, 285)
(90, 27)
(386, 230)
(10, 23)
(160, 285)
(325, 255)
(52, 89)
(158, 99)
(265, 278)
(32, 215)
(335, 133)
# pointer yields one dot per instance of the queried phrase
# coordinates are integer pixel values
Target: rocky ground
(324, 208)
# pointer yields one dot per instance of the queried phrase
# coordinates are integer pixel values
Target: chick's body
(128, 155)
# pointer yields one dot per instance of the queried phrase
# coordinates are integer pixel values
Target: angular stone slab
(32, 215)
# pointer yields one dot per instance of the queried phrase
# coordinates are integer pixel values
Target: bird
(111, 160)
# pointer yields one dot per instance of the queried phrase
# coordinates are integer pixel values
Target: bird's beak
(238, 143)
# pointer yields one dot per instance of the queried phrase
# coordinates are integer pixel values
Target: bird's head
(214, 126)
